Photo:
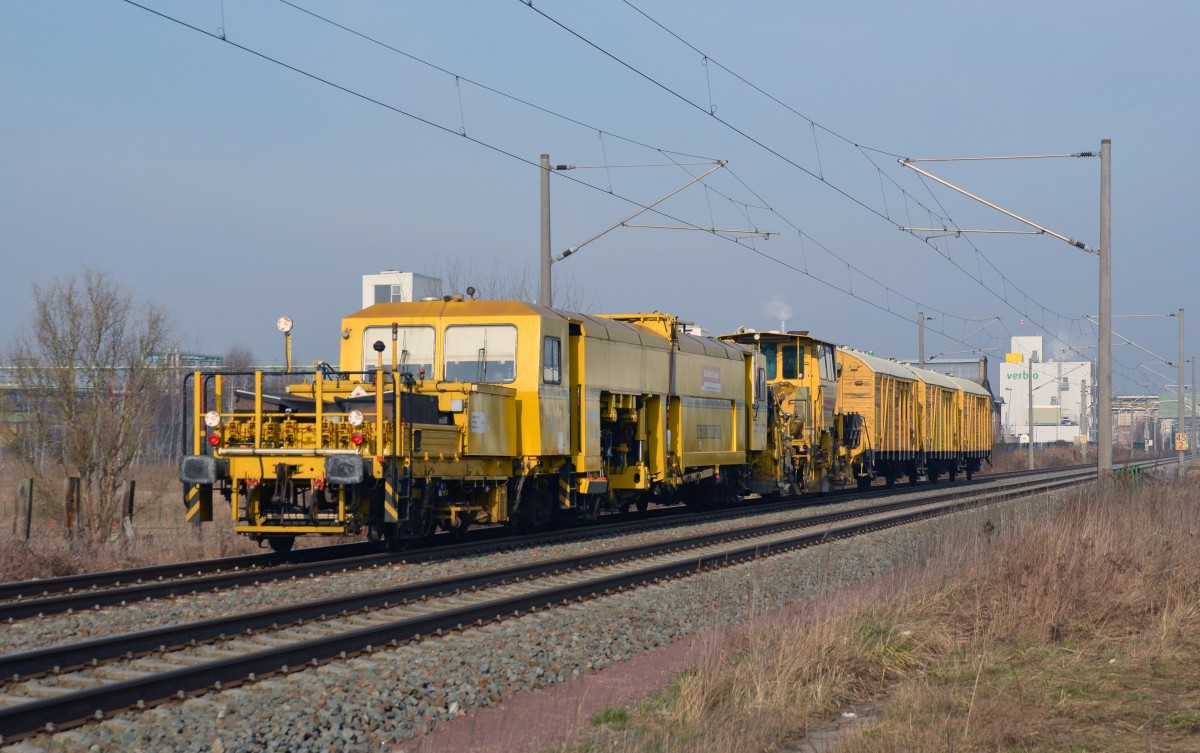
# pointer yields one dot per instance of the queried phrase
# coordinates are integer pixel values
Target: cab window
(828, 371)
(770, 355)
(481, 353)
(552, 361)
(414, 349)
(793, 362)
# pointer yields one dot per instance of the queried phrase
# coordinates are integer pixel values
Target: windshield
(414, 347)
(481, 353)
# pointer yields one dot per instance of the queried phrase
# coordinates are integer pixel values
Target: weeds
(1078, 630)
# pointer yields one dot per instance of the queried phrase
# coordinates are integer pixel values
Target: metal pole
(1030, 411)
(544, 296)
(1104, 415)
(1179, 402)
(1195, 434)
(921, 337)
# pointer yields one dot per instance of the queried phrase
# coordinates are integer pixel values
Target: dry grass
(1077, 632)
(160, 533)
(1012, 457)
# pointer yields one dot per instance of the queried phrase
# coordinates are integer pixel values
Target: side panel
(491, 422)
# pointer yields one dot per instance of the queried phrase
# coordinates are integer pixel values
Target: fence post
(71, 505)
(24, 517)
(126, 496)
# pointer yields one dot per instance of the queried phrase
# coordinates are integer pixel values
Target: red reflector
(251, 483)
(356, 438)
(214, 439)
(318, 484)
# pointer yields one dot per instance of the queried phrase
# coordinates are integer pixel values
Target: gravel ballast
(377, 701)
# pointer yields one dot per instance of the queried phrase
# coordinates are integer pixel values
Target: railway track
(62, 686)
(44, 597)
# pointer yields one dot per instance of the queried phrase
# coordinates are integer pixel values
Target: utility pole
(921, 337)
(1179, 413)
(1195, 434)
(1104, 415)
(1030, 380)
(545, 298)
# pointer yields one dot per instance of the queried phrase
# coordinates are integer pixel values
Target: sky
(258, 160)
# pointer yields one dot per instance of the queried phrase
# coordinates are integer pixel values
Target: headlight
(355, 418)
(212, 419)
(284, 324)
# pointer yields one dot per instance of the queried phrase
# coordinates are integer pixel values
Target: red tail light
(356, 438)
(214, 439)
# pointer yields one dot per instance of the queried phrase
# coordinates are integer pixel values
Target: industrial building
(1062, 395)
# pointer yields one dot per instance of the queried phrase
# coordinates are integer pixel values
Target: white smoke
(777, 311)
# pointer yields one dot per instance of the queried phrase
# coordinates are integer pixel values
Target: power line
(499, 150)
(601, 132)
(819, 176)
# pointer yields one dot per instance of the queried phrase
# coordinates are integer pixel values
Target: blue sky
(230, 190)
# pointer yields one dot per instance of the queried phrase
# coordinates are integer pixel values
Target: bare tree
(92, 369)
(237, 358)
(509, 284)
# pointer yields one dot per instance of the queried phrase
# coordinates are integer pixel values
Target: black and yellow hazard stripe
(566, 474)
(390, 513)
(198, 500)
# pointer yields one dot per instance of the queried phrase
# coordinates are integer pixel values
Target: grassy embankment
(1074, 632)
(160, 534)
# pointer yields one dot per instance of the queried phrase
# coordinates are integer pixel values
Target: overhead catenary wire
(818, 175)
(458, 78)
(499, 150)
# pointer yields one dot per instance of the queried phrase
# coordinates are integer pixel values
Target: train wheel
(970, 473)
(281, 544)
(643, 504)
(864, 483)
(952, 474)
(890, 480)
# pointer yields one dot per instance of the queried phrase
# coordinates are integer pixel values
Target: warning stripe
(193, 504)
(564, 492)
(390, 515)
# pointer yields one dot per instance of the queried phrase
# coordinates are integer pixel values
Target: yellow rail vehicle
(448, 413)
(822, 443)
(917, 422)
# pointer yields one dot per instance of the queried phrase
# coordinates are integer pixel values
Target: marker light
(214, 439)
(356, 438)
(355, 417)
(284, 324)
(212, 419)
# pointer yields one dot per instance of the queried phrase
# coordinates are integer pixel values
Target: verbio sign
(1022, 375)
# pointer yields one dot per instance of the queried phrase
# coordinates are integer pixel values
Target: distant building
(394, 286)
(1063, 394)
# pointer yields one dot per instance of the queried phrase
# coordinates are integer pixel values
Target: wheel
(458, 530)
(864, 483)
(281, 544)
(643, 504)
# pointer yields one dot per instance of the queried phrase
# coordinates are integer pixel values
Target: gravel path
(379, 702)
